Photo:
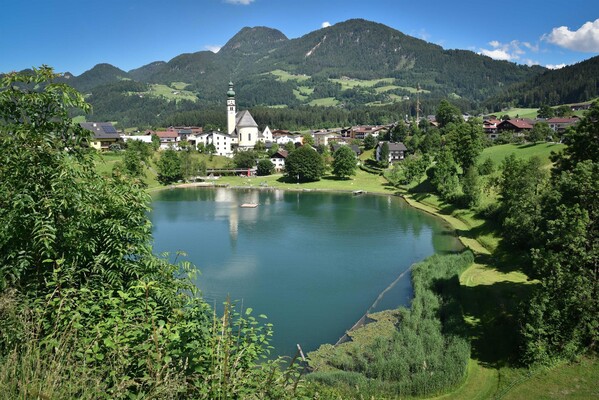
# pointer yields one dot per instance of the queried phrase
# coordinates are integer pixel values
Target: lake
(313, 262)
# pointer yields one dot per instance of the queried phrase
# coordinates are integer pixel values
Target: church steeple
(231, 111)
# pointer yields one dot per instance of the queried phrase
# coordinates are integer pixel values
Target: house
(223, 142)
(168, 139)
(519, 127)
(324, 137)
(265, 136)
(397, 151)
(559, 125)
(145, 138)
(185, 131)
(360, 132)
(356, 149)
(282, 140)
(278, 159)
(490, 128)
(103, 134)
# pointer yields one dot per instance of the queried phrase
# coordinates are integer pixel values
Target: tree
(447, 113)
(540, 132)
(384, 154)
(265, 167)
(133, 163)
(545, 112)
(444, 176)
(290, 147)
(410, 169)
(471, 187)
(155, 142)
(304, 165)
(487, 167)
(344, 162)
(432, 141)
(169, 167)
(245, 159)
(465, 140)
(369, 142)
(562, 318)
(273, 149)
(307, 139)
(259, 146)
(520, 189)
(78, 272)
(583, 142)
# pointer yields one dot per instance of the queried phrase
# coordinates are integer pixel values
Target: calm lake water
(313, 262)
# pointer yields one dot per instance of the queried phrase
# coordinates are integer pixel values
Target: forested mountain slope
(356, 64)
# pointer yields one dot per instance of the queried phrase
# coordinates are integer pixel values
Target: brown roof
(518, 123)
(557, 120)
(281, 153)
(167, 134)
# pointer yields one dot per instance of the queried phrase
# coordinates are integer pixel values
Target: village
(243, 134)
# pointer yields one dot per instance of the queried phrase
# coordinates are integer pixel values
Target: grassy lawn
(518, 112)
(168, 92)
(525, 151)
(361, 181)
(324, 102)
(285, 76)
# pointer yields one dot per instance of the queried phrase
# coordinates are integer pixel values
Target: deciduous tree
(344, 162)
(304, 164)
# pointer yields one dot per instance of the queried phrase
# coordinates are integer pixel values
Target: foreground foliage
(425, 352)
(86, 309)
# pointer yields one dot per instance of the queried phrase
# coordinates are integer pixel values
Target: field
(285, 76)
(523, 151)
(324, 102)
(174, 92)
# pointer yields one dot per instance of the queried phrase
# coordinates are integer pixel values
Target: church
(241, 125)
(242, 131)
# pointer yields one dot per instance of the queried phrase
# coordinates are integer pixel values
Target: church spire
(231, 110)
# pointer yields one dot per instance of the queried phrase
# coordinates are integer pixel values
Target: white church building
(242, 131)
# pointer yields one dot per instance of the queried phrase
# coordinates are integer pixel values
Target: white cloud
(213, 48)
(325, 24)
(555, 66)
(586, 38)
(242, 2)
(503, 51)
(532, 47)
(531, 62)
(512, 51)
(497, 54)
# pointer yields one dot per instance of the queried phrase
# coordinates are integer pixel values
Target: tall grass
(427, 354)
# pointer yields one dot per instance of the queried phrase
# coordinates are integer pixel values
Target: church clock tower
(231, 112)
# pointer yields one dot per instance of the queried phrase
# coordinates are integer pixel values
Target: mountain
(572, 84)
(144, 73)
(256, 41)
(354, 64)
(99, 75)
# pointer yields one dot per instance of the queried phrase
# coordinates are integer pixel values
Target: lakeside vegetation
(152, 339)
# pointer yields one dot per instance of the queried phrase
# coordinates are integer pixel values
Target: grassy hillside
(523, 151)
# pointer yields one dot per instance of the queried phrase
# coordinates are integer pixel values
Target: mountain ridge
(354, 63)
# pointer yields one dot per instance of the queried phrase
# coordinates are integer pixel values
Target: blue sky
(75, 35)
